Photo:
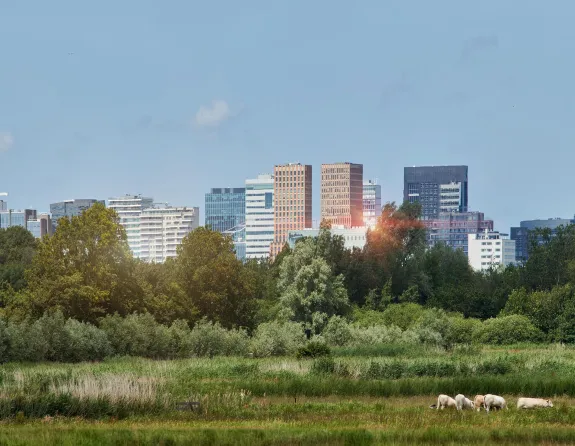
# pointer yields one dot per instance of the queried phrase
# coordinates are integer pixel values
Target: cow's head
(549, 403)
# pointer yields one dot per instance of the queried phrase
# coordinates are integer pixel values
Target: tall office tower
(11, 217)
(162, 229)
(259, 233)
(225, 208)
(453, 228)
(129, 209)
(70, 208)
(371, 203)
(490, 249)
(41, 226)
(342, 194)
(437, 188)
(3, 205)
(292, 202)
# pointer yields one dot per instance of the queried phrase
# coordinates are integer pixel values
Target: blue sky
(171, 98)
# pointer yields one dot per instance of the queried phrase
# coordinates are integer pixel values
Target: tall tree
(216, 283)
(17, 248)
(309, 290)
(85, 270)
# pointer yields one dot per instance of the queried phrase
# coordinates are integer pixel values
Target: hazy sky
(171, 98)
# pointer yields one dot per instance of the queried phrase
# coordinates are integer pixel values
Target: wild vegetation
(322, 345)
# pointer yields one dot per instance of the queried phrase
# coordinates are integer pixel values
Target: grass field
(376, 395)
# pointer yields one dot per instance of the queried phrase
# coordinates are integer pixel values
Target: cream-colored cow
(444, 401)
(479, 402)
(463, 403)
(495, 402)
(531, 403)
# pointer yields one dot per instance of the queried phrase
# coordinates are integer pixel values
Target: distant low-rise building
(453, 228)
(70, 208)
(490, 249)
(521, 233)
(11, 217)
(41, 226)
(353, 237)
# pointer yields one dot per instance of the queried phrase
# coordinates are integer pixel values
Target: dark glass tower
(225, 208)
(437, 189)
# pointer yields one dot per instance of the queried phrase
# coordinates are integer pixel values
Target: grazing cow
(444, 401)
(530, 403)
(479, 402)
(494, 402)
(463, 403)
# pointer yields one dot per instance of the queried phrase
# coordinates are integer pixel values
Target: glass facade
(453, 228)
(437, 189)
(70, 208)
(371, 203)
(521, 233)
(225, 208)
(11, 218)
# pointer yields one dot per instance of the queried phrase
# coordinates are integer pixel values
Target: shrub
(337, 331)
(380, 334)
(365, 317)
(323, 365)
(313, 349)
(507, 330)
(86, 342)
(462, 330)
(27, 342)
(277, 339)
(137, 335)
(180, 340)
(55, 335)
(402, 315)
(4, 342)
(211, 339)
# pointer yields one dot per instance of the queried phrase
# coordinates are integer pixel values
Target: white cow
(479, 402)
(530, 403)
(444, 401)
(494, 402)
(463, 403)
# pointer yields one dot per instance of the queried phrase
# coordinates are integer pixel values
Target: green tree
(84, 270)
(309, 291)
(215, 282)
(17, 248)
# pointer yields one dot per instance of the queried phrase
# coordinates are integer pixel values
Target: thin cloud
(479, 43)
(6, 141)
(214, 115)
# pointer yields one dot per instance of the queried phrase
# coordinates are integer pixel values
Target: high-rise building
(71, 208)
(129, 209)
(371, 203)
(342, 194)
(41, 226)
(490, 249)
(162, 229)
(521, 233)
(292, 202)
(225, 208)
(11, 217)
(259, 231)
(453, 228)
(437, 189)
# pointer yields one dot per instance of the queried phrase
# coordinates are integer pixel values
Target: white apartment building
(450, 197)
(162, 229)
(371, 202)
(129, 209)
(490, 249)
(259, 230)
(352, 237)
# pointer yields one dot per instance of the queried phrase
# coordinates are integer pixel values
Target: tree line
(85, 271)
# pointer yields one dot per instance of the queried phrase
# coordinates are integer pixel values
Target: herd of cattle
(488, 402)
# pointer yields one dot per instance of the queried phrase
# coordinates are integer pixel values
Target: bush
(462, 330)
(365, 317)
(55, 335)
(137, 335)
(323, 365)
(403, 316)
(4, 342)
(507, 330)
(27, 342)
(337, 331)
(86, 342)
(380, 334)
(313, 349)
(277, 339)
(211, 339)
